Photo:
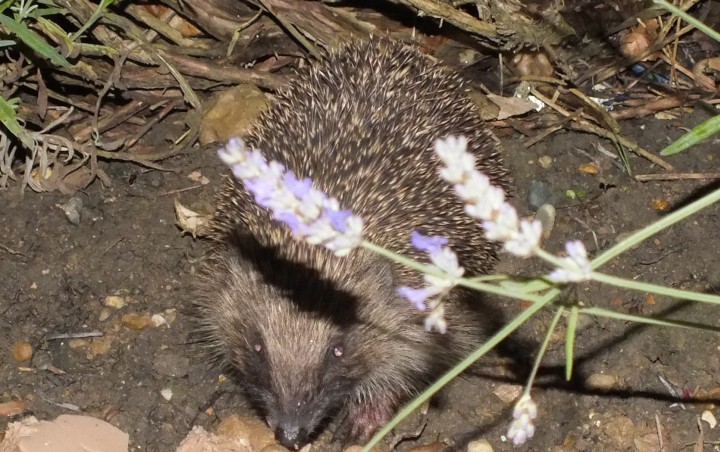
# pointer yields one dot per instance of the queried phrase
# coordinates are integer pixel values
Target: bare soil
(56, 277)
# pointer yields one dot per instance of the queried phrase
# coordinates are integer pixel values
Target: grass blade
(33, 40)
(698, 133)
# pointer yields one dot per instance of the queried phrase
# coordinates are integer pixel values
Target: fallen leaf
(659, 204)
(588, 168)
(12, 408)
(511, 106)
(191, 221)
(198, 177)
(650, 299)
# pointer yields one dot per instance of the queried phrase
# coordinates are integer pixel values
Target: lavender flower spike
(485, 201)
(522, 427)
(310, 213)
(576, 266)
(444, 260)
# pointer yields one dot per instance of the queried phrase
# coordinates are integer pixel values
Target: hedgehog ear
(377, 276)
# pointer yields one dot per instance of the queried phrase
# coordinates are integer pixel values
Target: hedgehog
(314, 337)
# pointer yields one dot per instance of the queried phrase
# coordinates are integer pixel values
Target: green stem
(551, 258)
(457, 370)
(656, 289)
(543, 348)
(689, 19)
(465, 282)
(600, 312)
(654, 228)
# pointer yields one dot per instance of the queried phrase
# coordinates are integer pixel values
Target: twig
(112, 245)
(650, 108)
(181, 190)
(676, 176)
(11, 251)
(588, 127)
(658, 427)
(76, 335)
(460, 19)
(670, 389)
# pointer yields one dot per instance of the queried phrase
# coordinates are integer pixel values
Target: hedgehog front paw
(362, 421)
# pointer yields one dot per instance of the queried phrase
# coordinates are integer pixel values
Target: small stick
(180, 190)
(589, 127)
(676, 176)
(76, 335)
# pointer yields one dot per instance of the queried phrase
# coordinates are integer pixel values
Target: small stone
(166, 394)
(136, 321)
(104, 314)
(257, 433)
(158, 320)
(115, 301)
(539, 193)
(101, 345)
(171, 365)
(508, 393)
(546, 216)
(602, 382)
(22, 351)
(479, 445)
(12, 408)
(620, 432)
(432, 447)
(72, 209)
(708, 417)
(76, 344)
(545, 161)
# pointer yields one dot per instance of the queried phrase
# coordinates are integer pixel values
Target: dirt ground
(126, 256)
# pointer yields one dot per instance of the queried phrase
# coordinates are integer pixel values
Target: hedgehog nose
(291, 436)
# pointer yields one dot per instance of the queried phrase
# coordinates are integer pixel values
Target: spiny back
(362, 124)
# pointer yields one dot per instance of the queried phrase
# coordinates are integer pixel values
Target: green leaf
(33, 40)
(9, 120)
(698, 133)
(570, 341)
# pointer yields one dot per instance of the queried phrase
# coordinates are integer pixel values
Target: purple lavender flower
(429, 244)
(416, 296)
(308, 212)
(445, 261)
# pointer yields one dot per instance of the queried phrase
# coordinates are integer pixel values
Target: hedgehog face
(294, 335)
(299, 369)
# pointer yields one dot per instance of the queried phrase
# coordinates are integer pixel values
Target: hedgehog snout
(291, 435)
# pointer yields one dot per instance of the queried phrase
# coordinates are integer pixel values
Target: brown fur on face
(310, 333)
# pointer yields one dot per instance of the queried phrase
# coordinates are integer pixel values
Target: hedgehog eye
(338, 351)
(258, 347)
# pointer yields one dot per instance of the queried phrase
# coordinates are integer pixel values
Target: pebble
(72, 209)
(171, 365)
(22, 351)
(546, 216)
(508, 393)
(166, 394)
(136, 321)
(115, 301)
(603, 382)
(479, 445)
(257, 433)
(545, 161)
(104, 314)
(539, 193)
(708, 417)
(158, 320)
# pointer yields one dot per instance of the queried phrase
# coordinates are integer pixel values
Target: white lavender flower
(309, 213)
(485, 201)
(522, 427)
(576, 266)
(444, 260)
